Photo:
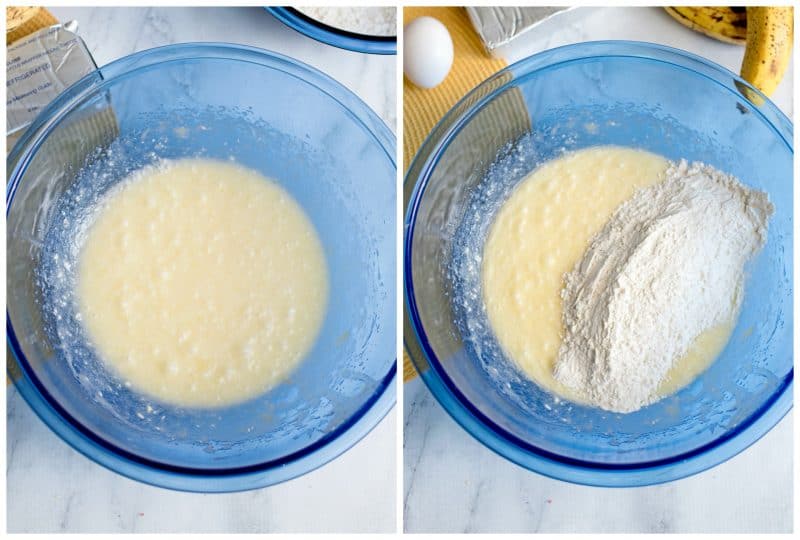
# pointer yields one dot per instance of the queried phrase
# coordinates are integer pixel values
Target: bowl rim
(117, 459)
(330, 35)
(426, 362)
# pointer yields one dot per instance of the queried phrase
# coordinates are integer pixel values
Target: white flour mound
(370, 21)
(667, 266)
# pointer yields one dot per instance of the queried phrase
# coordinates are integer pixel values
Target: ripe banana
(770, 32)
(767, 33)
(728, 24)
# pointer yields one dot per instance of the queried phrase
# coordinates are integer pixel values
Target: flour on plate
(667, 266)
(370, 21)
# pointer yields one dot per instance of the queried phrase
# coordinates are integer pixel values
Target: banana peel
(766, 32)
(728, 24)
(770, 34)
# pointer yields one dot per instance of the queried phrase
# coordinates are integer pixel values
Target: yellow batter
(539, 235)
(202, 283)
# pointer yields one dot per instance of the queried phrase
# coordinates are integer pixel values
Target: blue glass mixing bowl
(264, 111)
(623, 93)
(334, 36)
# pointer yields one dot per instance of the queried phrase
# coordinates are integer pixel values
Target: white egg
(427, 52)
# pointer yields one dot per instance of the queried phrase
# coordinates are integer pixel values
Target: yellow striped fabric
(422, 109)
(21, 21)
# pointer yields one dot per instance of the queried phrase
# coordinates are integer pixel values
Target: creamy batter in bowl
(631, 95)
(240, 108)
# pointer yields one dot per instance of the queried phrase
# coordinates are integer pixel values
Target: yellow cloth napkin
(21, 21)
(422, 109)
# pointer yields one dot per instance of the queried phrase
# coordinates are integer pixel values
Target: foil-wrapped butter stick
(498, 26)
(39, 67)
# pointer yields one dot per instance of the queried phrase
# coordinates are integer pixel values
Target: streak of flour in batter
(667, 266)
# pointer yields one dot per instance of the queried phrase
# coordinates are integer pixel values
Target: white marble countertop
(52, 488)
(452, 483)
